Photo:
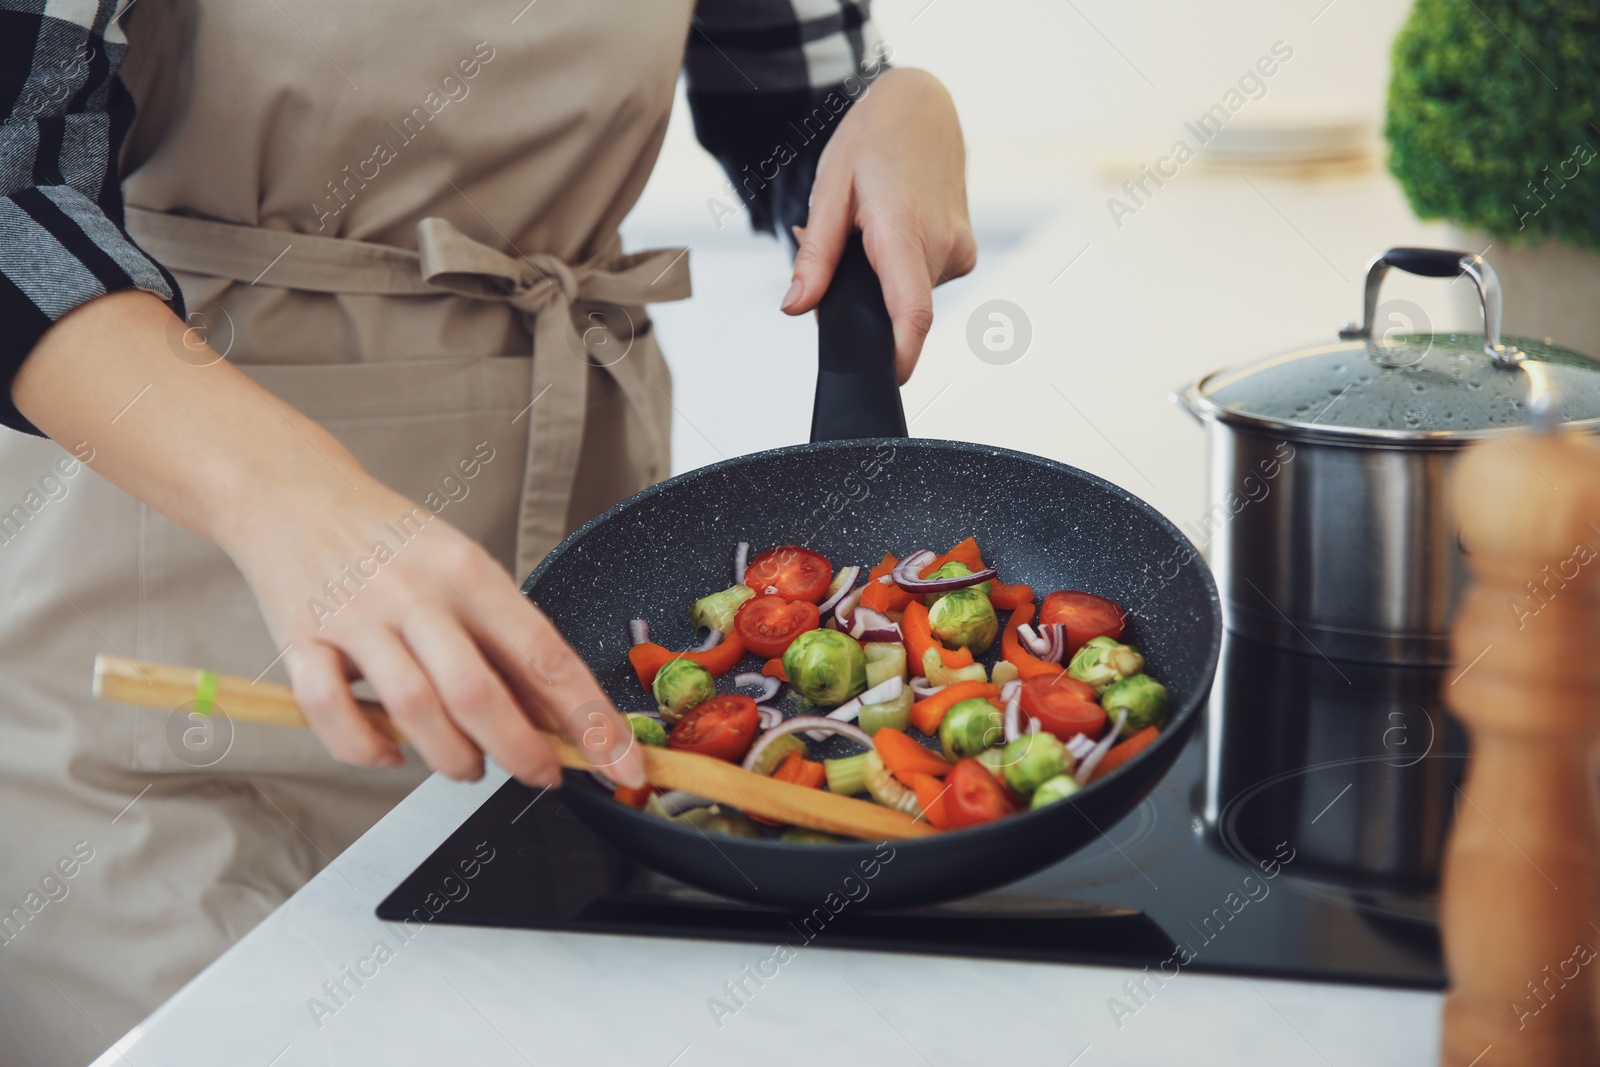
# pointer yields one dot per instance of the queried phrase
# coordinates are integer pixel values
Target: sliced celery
(778, 751)
(885, 660)
(895, 713)
(845, 775)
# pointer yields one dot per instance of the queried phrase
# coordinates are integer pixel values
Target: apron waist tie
(448, 262)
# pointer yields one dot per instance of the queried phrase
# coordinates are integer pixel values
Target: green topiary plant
(1491, 117)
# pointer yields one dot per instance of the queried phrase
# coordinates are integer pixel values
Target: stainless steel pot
(1328, 530)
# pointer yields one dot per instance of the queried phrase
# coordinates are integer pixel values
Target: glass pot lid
(1420, 387)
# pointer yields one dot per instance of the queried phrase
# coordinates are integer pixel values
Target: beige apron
(377, 211)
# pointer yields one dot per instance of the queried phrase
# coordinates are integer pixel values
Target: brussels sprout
(716, 612)
(826, 666)
(679, 686)
(954, 569)
(895, 713)
(647, 730)
(885, 660)
(969, 728)
(1143, 696)
(1103, 661)
(1060, 787)
(1032, 760)
(937, 673)
(964, 619)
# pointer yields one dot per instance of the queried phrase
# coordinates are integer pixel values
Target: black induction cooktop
(1298, 836)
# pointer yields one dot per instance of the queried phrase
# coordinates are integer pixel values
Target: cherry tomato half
(1063, 705)
(974, 795)
(797, 573)
(723, 727)
(767, 624)
(1086, 616)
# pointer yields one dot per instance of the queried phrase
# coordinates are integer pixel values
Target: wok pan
(861, 488)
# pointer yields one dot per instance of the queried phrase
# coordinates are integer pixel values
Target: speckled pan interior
(1036, 520)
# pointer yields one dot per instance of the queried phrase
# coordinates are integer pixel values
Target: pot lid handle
(1440, 263)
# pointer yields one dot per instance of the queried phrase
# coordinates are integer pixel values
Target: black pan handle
(857, 392)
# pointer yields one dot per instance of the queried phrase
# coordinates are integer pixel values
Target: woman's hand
(895, 170)
(464, 664)
(459, 658)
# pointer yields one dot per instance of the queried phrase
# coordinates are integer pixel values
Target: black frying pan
(861, 488)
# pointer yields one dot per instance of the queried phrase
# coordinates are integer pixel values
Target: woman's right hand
(462, 661)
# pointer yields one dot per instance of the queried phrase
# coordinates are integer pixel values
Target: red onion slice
(1048, 643)
(741, 560)
(1092, 760)
(846, 582)
(639, 631)
(713, 639)
(1034, 725)
(923, 689)
(1011, 689)
(907, 575)
(769, 685)
(805, 723)
(1013, 716)
(847, 607)
(881, 693)
(869, 625)
(1080, 746)
(770, 716)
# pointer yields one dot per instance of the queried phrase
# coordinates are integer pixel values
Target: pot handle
(1439, 263)
(858, 394)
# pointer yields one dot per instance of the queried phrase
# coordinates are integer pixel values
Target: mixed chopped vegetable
(888, 695)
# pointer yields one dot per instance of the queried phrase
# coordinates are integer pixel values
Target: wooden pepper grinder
(1521, 882)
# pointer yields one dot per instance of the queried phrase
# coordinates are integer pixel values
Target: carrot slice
(919, 638)
(885, 566)
(1011, 650)
(885, 598)
(773, 668)
(965, 552)
(1009, 597)
(648, 658)
(904, 756)
(1121, 753)
(929, 712)
(801, 771)
(635, 798)
(930, 798)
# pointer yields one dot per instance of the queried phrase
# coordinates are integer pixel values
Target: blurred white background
(1061, 100)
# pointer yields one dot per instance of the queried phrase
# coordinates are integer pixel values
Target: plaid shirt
(761, 74)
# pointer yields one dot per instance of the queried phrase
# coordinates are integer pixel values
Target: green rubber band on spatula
(205, 692)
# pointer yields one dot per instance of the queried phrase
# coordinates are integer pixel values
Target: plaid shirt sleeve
(65, 114)
(768, 81)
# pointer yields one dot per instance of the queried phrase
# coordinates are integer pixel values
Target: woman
(289, 338)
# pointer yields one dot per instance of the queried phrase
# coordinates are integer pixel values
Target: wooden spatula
(159, 685)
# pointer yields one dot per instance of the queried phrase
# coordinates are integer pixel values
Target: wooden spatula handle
(1521, 879)
(159, 685)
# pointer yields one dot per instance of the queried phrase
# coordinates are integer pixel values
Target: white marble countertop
(1212, 271)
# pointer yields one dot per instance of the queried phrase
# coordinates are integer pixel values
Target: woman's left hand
(895, 170)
